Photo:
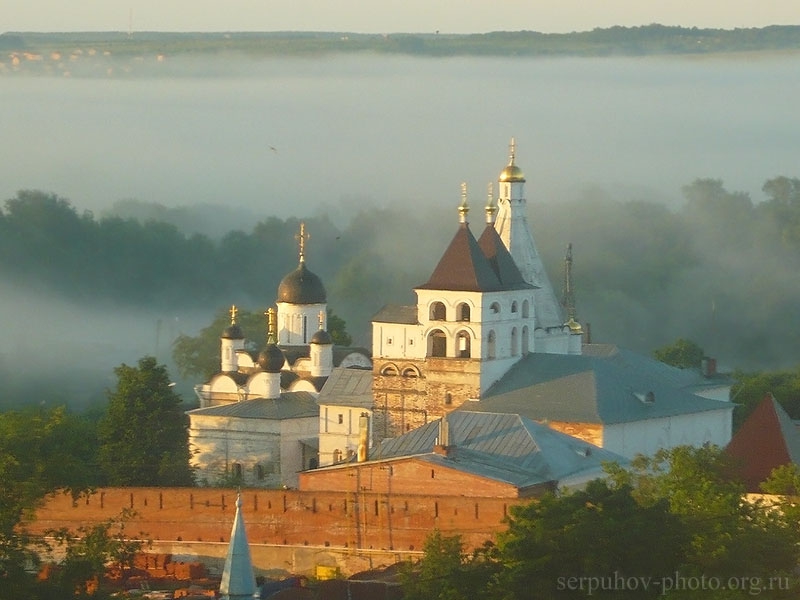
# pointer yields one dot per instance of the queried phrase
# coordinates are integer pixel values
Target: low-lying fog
(296, 137)
(285, 136)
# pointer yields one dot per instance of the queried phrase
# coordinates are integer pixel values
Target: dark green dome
(301, 286)
(322, 337)
(271, 359)
(233, 332)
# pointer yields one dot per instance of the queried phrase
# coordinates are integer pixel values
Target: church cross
(234, 311)
(302, 238)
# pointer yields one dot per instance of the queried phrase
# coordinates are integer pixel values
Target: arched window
(410, 372)
(514, 306)
(438, 312)
(514, 342)
(462, 312)
(491, 346)
(389, 371)
(337, 456)
(448, 398)
(236, 470)
(525, 309)
(494, 308)
(260, 474)
(463, 345)
(525, 340)
(437, 343)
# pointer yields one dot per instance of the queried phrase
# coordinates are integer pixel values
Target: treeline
(644, 40)
(720, 270)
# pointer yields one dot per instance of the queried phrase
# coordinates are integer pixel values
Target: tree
(41, 451)
(682, 353)
(144, 433)
(728, 534)
(602, 531)
(750, 389)
(446, 572)
(92, 549)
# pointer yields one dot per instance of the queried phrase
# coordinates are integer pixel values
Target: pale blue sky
(386, 16)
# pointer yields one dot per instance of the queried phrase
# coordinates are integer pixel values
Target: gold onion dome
(574, 326)
(512, 172)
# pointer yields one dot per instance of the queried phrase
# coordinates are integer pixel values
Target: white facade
(298, 322)
(340, 432)
(648, 436)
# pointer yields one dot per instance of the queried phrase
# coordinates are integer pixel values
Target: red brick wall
(367, 519)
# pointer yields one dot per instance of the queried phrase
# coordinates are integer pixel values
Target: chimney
(363, 437)
(708, 366)
(443, 440)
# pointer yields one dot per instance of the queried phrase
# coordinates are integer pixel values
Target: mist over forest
(81, 293)
(166, 198)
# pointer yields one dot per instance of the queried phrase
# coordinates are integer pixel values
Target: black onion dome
(233, 332)
(271, 359)
(322, 337)
(301, 286)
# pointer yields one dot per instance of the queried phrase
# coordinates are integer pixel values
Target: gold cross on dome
(233, 311)
(302, 238)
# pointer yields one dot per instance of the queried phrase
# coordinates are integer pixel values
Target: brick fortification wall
(351, 524)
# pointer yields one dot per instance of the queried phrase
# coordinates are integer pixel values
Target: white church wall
(647, 437)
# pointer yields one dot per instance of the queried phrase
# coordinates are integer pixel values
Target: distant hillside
(628, 41)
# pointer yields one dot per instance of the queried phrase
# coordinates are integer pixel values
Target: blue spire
(238, 581)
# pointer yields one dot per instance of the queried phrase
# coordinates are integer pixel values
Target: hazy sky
(382, 16)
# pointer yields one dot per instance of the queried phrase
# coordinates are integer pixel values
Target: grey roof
(500, 259)
(348, 387)
(290, 405)
(396, 313)
(500, 446)
(238, 580)
(606, 385)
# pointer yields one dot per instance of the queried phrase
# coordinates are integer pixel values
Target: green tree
(750, 388)
(144, 433)
(446, 572)
(682, 353)
(41, 451)
(599, 532)
(93, 549)
(728, 535)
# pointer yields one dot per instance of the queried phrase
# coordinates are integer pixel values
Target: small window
(337, 456)
(437, 312)
(495, 308)
(448, 398)
(236, 470)
(388, 341)
(260, 474)
(411, 342)
(514, 306)
(341, 418)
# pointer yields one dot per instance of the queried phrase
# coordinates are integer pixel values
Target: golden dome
(512, 172)
(574, 326)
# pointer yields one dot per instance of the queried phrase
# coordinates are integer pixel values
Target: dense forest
(719, 270)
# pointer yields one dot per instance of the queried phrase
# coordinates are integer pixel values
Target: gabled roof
(290, 405)
(767, 439)
(500, 259)
(238, 580)
(615, 386)
(463, 267)
(348, 387)
(504, 447)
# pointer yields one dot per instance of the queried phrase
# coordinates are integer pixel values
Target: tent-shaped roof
(500, 259)
(766, 440)
(238, 580)
(463, 267)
